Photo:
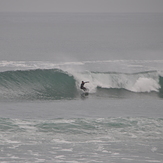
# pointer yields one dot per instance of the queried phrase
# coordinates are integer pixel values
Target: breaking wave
(59, 84)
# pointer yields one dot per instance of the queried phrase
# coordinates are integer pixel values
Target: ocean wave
(23, 140)
(59, 84)
(37, 84)
(145, 128)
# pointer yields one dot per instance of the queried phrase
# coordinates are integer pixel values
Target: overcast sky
(81, 6)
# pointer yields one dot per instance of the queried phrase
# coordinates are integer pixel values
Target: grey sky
(81, 5)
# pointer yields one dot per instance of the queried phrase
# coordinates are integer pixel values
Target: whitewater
(44, 116)
(64, 82)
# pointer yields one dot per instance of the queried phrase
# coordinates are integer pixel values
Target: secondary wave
(59, 84)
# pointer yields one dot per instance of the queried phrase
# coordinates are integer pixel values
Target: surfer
(82, 85)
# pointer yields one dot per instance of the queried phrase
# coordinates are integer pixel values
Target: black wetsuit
(82, 86)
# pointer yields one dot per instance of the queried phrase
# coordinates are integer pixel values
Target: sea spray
(135, 82)
(144, 84)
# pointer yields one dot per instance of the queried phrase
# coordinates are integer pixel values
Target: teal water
(86, 140)
(56, 84)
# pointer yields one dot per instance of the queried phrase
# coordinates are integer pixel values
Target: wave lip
(55, 84)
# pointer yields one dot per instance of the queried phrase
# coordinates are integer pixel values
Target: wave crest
(59, 84)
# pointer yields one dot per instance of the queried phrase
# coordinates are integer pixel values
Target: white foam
(152, 161)
(145, 85)
(60, 156)
(146, 82)
(28, 126)
(60, 141)
(154, 149)
(47, 64)
(67, 150)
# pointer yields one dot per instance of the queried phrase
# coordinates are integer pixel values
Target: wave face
(59, 84)
(37, 84)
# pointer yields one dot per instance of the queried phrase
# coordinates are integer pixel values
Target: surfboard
(85, 93)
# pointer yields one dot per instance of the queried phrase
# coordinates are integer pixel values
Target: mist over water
(80, 37)
(44, 115)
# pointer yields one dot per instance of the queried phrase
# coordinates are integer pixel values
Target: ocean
(44, 115)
